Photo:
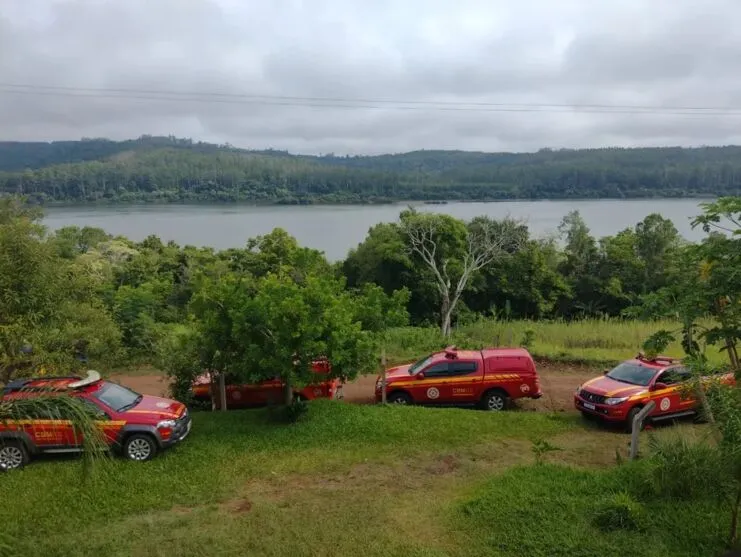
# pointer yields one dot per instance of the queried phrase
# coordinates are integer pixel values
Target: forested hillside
(171, 169)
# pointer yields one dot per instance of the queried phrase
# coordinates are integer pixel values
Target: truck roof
(505, 353)
(453, 353)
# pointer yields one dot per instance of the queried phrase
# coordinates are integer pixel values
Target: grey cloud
(644, 52)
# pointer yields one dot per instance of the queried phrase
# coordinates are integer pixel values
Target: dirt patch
(361, 391)
(444, 465)
(153, 385)
(237, 506)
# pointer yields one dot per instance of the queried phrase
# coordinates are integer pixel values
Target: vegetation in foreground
(422, 482)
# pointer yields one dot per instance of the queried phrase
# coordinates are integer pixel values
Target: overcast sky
(577, 52)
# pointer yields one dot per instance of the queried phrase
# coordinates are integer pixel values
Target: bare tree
(486, 241)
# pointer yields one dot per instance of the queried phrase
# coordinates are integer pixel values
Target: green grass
(595, 342)
(370, 480)
(223, 455)
(550, 512)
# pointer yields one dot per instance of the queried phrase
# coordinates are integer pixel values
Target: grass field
(350, 479)
(596, 342)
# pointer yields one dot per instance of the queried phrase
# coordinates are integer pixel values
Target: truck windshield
(117, 397)
(632, 373)
(420, 364)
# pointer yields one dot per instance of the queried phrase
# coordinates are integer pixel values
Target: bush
(620, 512)
(686, 469)
(290, 413)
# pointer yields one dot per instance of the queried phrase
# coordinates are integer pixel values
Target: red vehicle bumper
(617, 413)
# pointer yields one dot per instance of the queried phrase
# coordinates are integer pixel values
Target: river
(337, 229)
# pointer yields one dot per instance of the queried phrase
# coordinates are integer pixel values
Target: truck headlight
(166, 424)
(615, 400)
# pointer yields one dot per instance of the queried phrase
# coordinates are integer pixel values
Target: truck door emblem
(524, 388)
(665, 402)
(433, 393)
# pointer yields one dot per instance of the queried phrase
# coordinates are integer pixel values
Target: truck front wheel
(494, 400)
(631, 416)
(140, 447)
(399, 398)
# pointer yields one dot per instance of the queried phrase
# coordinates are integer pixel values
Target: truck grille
(591, 397)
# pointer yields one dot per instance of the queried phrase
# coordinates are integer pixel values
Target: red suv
(621, 393)
(137, 425)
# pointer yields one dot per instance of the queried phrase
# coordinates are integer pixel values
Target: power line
(339, 102)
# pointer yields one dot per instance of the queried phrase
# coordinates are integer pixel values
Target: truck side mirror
(421, 375)
(659, 386)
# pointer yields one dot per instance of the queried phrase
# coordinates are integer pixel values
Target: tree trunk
(445, 314)
(733, 356)
(212, 390)
(287, 391)
(222, 391)
(383, 375)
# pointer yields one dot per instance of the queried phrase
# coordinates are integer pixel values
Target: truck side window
(671, 377)
(439, 369)
(462, 368)
(95, 411)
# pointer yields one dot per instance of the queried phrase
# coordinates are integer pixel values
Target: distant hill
(171, 169)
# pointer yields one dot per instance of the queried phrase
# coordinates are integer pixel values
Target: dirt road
(558, 383)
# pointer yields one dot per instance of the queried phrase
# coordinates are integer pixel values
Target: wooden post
(383, 375)
(637, 423)
(222, 391)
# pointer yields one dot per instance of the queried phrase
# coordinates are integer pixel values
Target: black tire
(139, 447)
(629, 419)
(495, 400)
(399, 397)
(13, 454)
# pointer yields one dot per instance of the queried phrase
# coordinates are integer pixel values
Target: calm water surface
(337, 229)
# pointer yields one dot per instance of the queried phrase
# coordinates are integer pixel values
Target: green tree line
(81, 294)
(155, 169)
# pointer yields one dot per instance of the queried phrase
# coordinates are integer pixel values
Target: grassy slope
(379, 481)
(592, 342)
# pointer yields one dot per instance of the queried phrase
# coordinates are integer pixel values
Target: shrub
(619, 512)
(683, 468)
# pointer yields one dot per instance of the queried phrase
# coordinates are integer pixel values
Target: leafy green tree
(378, 312)
(721, 272)
(72, 241)
(258, 329)
(453, 252)
(657, 244)
(48, 310)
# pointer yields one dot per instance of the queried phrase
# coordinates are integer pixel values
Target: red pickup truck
(139, 426)
(489, 378)
(240, 395)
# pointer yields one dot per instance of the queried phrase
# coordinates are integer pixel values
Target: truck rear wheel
(494, 400)
(13, 454)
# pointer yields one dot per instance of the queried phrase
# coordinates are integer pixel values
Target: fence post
(383, 375)
(637, 423)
